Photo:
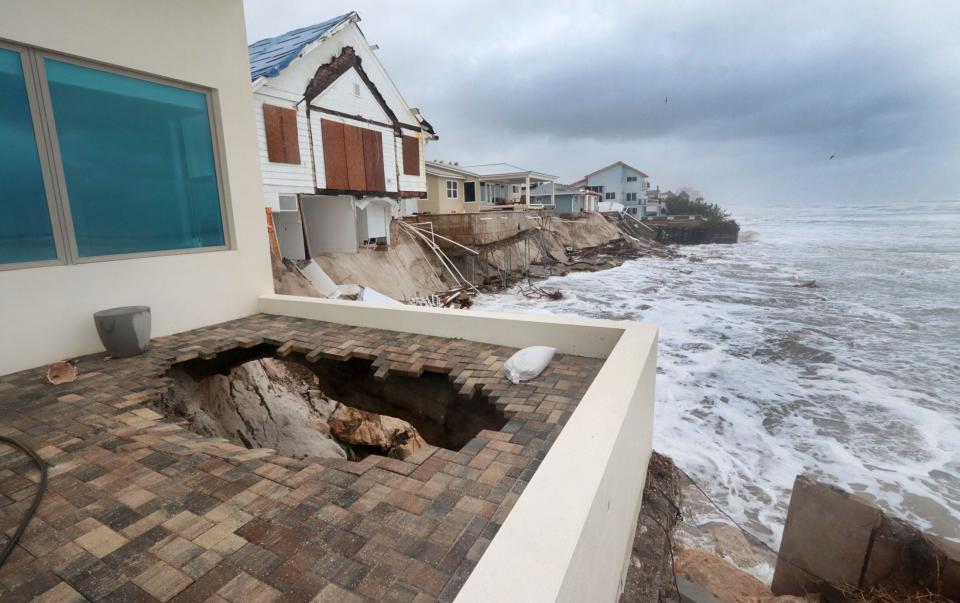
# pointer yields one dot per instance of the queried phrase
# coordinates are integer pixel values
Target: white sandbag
(528, 363)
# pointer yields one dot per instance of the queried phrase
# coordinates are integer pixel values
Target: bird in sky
(664, 99)
(831, 157)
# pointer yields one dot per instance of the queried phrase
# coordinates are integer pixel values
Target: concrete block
(827, 535)
(900, 556)
(950, 567)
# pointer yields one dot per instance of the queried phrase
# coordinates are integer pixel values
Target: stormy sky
(745, 101)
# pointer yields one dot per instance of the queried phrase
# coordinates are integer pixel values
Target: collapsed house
(340, 149)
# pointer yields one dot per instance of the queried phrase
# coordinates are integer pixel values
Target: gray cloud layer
(758, 94)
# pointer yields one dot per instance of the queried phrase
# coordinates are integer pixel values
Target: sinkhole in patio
(302, 408)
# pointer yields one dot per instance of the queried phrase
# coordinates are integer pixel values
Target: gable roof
(613, 164)
(330, 72)
(268, 57)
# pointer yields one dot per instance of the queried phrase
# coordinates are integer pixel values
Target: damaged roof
(268, 57)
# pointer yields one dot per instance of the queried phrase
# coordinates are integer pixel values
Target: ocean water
(855, 381)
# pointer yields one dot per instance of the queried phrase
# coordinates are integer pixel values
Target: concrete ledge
(582, 337)
(568, 536)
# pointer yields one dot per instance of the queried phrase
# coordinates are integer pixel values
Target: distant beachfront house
(654, 203)
(621, 183)
(340, 149)
(567, 200)
(506, 184)
(452, 188)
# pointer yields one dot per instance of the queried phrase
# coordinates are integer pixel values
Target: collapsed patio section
(149, 505)
(306, 403)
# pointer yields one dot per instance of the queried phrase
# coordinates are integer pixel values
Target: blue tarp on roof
(268, 57)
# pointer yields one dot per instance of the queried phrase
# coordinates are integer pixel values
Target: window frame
(30, 82)
(456, 189)
(48, 148)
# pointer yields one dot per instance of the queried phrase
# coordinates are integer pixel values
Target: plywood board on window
(334, 154)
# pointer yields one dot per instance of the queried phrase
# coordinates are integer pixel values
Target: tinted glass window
(137, 160)
(26, 233)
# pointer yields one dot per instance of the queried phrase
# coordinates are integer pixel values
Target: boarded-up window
(283, 143)
(334, 155)
(356, 173)
(411, 156)
(352, 157)
(373, 160)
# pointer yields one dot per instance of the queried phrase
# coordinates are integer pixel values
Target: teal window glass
(137, 160)
(26, 234)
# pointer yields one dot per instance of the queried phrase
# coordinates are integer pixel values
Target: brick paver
(138, 508)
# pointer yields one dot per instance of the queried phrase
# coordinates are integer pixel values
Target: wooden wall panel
(280, 127)
(373, 160)
(274, 131)
(356, 172)
(353, 157)
(411, 155)
(334, 154)
(291, 138)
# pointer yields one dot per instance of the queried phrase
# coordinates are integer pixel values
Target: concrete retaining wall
(479, 229)
(833, 540)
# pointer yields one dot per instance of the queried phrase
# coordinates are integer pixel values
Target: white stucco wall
(46, 313)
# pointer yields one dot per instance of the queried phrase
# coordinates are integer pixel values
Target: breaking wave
(855, 381)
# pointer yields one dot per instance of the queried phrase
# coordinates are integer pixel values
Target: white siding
(283, 178)
(386, 135)
(341, 96)
(614, 180)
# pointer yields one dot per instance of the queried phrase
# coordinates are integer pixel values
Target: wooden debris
(535, 292)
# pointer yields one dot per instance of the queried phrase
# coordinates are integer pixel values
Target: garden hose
(41, 488)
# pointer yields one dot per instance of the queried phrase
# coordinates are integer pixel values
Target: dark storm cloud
(569, 86)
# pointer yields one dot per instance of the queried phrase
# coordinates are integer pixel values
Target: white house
(340, 149)
(622, 183)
